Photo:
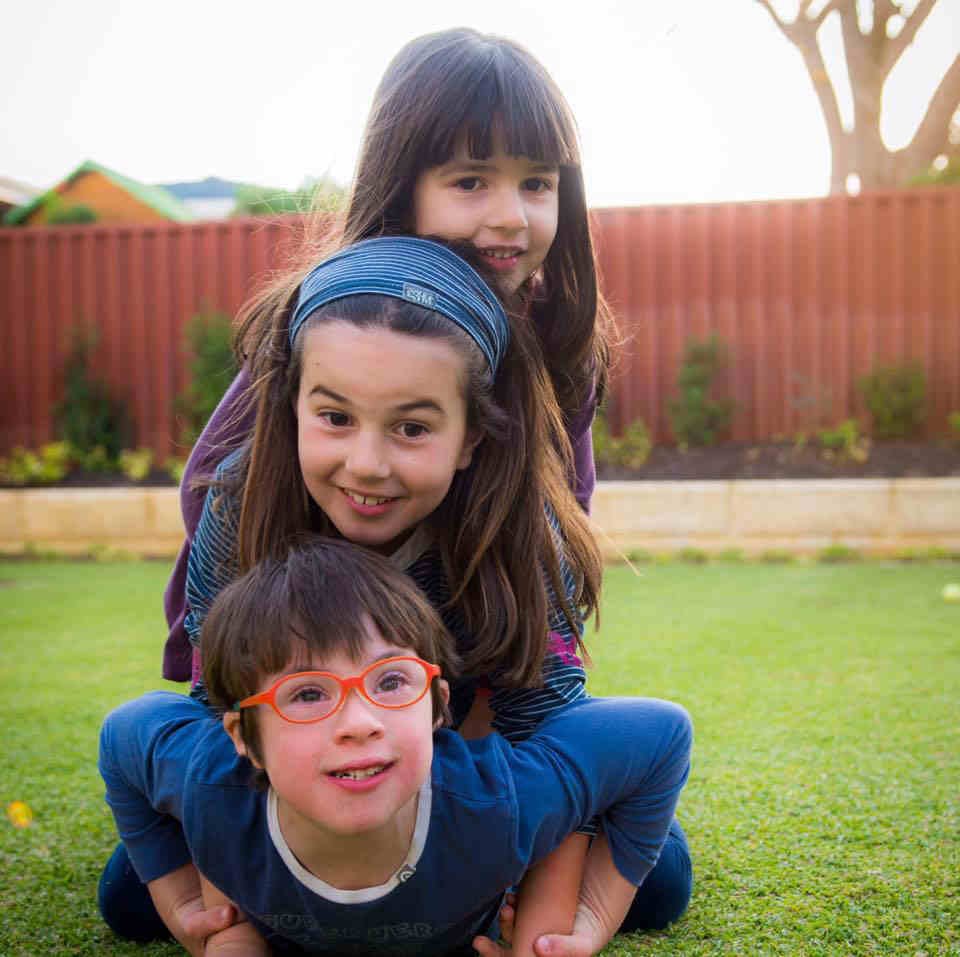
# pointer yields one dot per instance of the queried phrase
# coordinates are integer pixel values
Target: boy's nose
(357, 718)
(508, 210)
(366, 457)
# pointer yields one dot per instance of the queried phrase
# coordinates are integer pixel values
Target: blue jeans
(128, 910)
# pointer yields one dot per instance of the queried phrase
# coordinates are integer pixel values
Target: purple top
(211, 448)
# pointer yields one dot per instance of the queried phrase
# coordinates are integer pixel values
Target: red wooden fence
(808, 295)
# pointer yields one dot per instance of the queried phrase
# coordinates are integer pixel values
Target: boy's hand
(178, 899)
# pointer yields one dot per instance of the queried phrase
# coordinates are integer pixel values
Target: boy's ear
(444, 689)
(470, 442)
(231, 724)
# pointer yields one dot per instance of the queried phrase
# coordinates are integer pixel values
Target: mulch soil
(776, 460)
(729, 460)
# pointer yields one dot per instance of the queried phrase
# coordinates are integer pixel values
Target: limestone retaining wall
(874, 515)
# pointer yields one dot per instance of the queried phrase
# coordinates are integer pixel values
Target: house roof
(210, 188)
(156, 197)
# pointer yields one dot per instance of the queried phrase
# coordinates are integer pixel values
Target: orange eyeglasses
(309, 696)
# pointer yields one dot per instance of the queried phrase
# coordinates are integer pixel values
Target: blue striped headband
(419, 270)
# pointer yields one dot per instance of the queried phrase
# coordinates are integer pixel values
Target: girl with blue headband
(468, 138)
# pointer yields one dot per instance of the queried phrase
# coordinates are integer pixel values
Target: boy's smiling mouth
(360, 774)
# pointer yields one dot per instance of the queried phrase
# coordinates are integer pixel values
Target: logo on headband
(422, 297)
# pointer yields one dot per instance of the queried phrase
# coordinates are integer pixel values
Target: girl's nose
(366, 457)
(508, 210)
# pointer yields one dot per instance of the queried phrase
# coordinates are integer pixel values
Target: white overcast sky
(677, 100)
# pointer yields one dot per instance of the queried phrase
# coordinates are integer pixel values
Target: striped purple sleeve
(223, 431)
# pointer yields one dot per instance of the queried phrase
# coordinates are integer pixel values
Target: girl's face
(507, 206)
(381, 428)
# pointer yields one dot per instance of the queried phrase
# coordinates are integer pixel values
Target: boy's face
(321, 772)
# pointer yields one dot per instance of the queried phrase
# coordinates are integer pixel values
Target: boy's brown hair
(313, 600)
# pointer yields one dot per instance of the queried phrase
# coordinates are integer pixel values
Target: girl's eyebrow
(425, 404)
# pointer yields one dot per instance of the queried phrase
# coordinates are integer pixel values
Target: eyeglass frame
(348, 684)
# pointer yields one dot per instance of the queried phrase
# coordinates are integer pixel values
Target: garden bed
(786, 460)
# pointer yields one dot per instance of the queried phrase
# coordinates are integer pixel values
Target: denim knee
(125, 903)
(665, 894)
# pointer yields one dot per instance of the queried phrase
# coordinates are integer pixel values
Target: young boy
(333, 812)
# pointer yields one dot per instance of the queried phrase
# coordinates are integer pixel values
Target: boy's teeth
(366, 499)
(359, 775)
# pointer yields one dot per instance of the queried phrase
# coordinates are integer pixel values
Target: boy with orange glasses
(342, 822)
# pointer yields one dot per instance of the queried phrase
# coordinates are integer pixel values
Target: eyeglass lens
(392, 684)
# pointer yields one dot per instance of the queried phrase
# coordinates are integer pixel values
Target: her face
(507, 206)
(381, 428)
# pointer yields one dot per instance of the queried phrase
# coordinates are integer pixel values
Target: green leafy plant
(693, 556)
(838, 553)
(629, 450)
(845, 442)
(212, 368)
(895, 396)
(175, 468)
(697, 418)
(953, 420)
(89, 418)
(315, 195)
(50, 464)
(71, 216)
(136, 465)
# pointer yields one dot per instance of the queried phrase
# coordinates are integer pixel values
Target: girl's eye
(412, 430)
(338, 420)
(469, 184)
(537, 184)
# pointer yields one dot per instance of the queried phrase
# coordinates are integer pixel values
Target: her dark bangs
(509, 101)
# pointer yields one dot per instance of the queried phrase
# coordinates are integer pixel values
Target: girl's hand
(585, 941)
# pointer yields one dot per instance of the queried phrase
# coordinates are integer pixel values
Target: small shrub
(838, 553)
(698, 419)
(953, 420)
(776, 556)
(71, 216)
(212, 368)
(895, 396)
(50, 464)
(630, 450)
(89, 418)
(640, 556)
(175, 468)
(845, 442)
(693, 556)
(731, 556)
(136, 465)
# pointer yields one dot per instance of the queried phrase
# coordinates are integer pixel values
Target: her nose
(507, 210)
(366, 457)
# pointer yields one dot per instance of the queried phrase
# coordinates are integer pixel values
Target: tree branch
(898, 44)
(784, 28)
(933, 133)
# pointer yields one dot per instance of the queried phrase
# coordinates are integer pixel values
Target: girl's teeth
(497, 254)
(366, 499)
(358, 775)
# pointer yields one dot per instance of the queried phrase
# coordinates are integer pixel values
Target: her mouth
(365, 499)
(501, 253)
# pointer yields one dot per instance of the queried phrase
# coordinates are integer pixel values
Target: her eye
(308, 695)
(412, 430)
(537, 184)
(469, 184)
(337, 419)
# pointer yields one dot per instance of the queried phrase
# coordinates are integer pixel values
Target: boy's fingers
(205, 923)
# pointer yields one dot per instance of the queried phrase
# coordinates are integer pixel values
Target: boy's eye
(469, 184)
(412, 430)
(308, 695)
(392, 682)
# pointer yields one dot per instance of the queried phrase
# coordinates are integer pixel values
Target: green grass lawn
(823, 804)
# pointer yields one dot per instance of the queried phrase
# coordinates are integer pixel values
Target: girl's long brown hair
(439, 90)
(494, 526)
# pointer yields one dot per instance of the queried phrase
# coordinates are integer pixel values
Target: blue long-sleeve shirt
(487, 813)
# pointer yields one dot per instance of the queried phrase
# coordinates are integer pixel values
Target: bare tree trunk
(870, 57)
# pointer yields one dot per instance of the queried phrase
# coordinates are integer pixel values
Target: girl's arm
(579, 431)
(221, 433)
(238, 940)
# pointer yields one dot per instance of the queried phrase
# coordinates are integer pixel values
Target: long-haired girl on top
(468, 138)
